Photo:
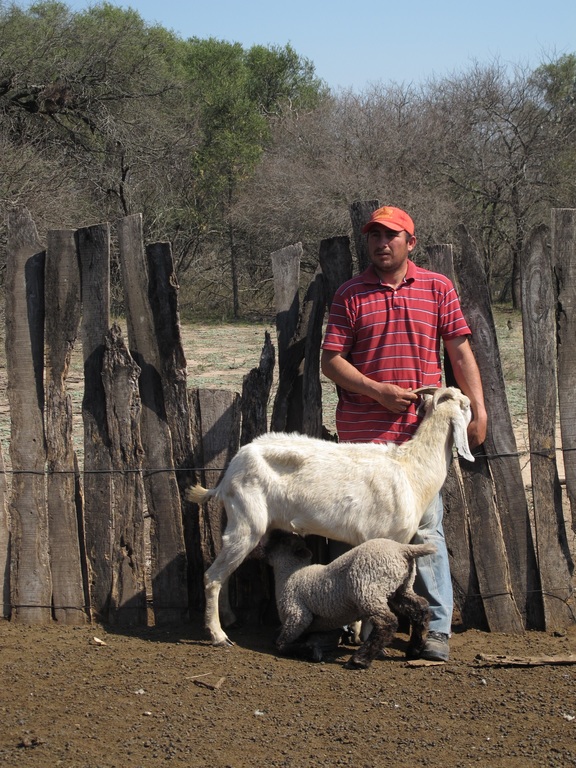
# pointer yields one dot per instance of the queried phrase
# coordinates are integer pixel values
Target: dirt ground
(92, 698)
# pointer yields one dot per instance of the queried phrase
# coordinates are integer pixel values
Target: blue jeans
(433, 579)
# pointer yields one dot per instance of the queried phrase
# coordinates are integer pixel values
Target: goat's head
(460, 413)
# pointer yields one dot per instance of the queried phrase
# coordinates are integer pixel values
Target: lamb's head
(283, 547)
(458, 406)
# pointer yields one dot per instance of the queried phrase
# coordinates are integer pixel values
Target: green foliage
(115, 116)
(557, 82)
(231, 153)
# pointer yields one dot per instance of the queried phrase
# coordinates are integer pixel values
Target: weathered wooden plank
(194, 523)
(488, 547)
(468, 604)
(336, 264)
(564, 260)
(63, 311)
(163, 293)
(256, 387)
(500, 443)
(24, 289)
(93, 244)
(164, 303)
(219, 412)
(360, 212)
(336, 261)
(219, 424)
(120, 379)
(5, 602)
(298, 403)
(252, 591)
(288, 400)
(539, 328)
(168, 552)
(310, 328)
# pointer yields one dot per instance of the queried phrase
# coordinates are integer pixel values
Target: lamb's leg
(294, 625)
(417, 611)
(384, 626)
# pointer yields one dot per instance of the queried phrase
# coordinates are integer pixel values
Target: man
(382, 342)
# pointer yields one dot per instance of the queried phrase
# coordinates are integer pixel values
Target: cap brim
(387, 224)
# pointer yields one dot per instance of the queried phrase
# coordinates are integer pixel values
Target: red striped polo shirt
(390, 335)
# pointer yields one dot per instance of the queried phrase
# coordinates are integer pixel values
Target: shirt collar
(371, 278)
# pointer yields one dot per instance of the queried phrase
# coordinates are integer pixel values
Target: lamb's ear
(460, 432)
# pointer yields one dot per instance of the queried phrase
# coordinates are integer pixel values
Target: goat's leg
(211, 618)
(384, 626)
(237, 543)
(227, 615)
(416, 609)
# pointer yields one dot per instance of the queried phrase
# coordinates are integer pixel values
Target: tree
(238, 93)
(495, 144)
(85, 97)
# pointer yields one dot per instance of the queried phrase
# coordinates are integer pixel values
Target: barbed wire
(157, 470)
(462, 596)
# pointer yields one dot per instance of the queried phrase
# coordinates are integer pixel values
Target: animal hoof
(224, 642)
(353, 663)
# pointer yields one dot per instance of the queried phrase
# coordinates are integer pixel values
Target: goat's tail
(198, 494)
(419, 550)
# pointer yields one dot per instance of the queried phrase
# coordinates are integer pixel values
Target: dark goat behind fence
(116, 540)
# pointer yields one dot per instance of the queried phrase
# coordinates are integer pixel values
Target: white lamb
(350, 492)
(371, 582)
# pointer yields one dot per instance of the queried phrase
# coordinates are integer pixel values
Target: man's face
(388, 250)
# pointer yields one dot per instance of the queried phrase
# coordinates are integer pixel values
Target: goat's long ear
(460, 432)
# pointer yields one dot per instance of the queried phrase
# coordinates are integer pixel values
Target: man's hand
(394, 398)
(477, 430)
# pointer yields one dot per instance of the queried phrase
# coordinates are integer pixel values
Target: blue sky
(402, 42)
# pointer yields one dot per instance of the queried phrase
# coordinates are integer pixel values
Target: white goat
(350, 492)
(372, 581)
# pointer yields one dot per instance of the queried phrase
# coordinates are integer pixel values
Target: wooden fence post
(500, 443)
(360, 212)
(120, 379)
(457, 527)
(65, 514)
(256, 387)
(564, 260)
(181, 422)
(336, 262)
(219, 431)
(5, 602)
(93, 244)
(488, 548)
(286, 272)
(539, 328)
(24, 290)
(169, 566)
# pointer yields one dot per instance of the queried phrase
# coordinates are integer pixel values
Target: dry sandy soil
(92, 697)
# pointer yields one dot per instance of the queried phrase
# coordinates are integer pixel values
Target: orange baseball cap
(393, 218)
